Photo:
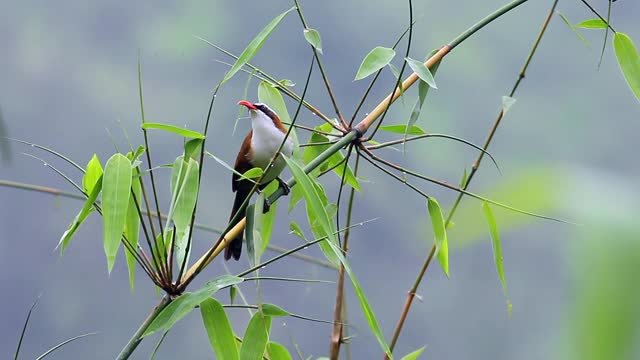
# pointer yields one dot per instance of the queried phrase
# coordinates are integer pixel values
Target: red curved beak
(248, 105)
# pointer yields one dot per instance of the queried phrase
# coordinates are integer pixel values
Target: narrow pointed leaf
(315, 207)
(402, 129)
(219, 330)
(93, 172)
(313, 37)
(497, 248)
(173, 129)
(228, 167)
(81, 217)
(186, 302)
(184, 205)
(116, 189)
(132, 225)
(437, 222)
(573, 28)
(268, 218)
(414, 355)
(311, 152)
(192, 148)
(274, 310)
(422, 71)
(254, 46)
(629, 61)
(277, 351)
(256, 337)
(253, 173)
(592, 24)
(375, 60)
(423, 91)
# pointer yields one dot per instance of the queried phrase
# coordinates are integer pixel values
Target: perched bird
(257, 150)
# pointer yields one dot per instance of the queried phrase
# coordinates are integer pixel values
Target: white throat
(265, 142)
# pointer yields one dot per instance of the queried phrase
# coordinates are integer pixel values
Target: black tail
(235, 247)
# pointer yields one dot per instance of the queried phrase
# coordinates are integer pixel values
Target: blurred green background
(567, 148)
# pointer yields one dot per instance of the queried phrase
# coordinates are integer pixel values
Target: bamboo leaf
(629, 61)
(81, 217)
(277, 351)
(313, 37)
(414, 355)
(497, 249)
(255, 338)
(186, 302)
(315, 208)
(274, 310)
(116, 189)
(254, 46)
(228, 167)
(93, 173)
(375, 60)
(173, 129)
(268, 218)
(219, 330)
(437, 222)
(132, 225)
(402, 129)
(192, 148)
(592, 24)
(184, 204)
(573, 28)
(422, 71)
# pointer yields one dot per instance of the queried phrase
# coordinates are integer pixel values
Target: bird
(257, 150)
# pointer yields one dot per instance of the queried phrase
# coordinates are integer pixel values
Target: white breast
(265, 142)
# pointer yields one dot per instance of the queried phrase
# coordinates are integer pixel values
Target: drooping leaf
(173, 129)
(268, 218)
(437, 222)
(315, 208)
(81, 217)
(274, 310)
(414, 355)
(497, 248)
(132, 225)
(592, 24)
(185, 202)
(116, 189)
(402, 129)
(192, 148)
(396, 74)
(313, 37)
(186, 302)
(256, 337)
(254, 46)
(277, 351)
(219, 330)
(311, 152)
(629, 61)
(295, 229)
(573, 28)
(423, 91)
(93, 172)
(422, 71)
(375, 60)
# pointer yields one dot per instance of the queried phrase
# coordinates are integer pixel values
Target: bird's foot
(285, 187)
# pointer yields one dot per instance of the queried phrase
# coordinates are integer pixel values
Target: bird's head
(260, 111)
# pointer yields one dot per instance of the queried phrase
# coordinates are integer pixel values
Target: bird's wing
(242, 162)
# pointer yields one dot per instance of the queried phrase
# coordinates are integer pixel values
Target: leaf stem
(136, 338)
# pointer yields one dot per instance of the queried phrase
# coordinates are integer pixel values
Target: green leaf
(423, 91)
(116, 190)
(414, 355)
(221, 162)
(186, 302)
(422, 71)
(375, 60)
(295, 229)
(315, 208)
(507, 102)
(254, 46)
(93, 173)
(132, 225)
(274, 310)
(592, 24)
(286, 82)
(219, 330)
(255, 338)
(629, 61)
(396, 74)
(252, 230)
(81, 217)
(173, 129)
(185, 202)
(497, 249)
(313, 37)
(278, 351)
(437, 222)
(192, 148)
(311, 152)
(573, 28)
(402, 129)
(253, 173)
